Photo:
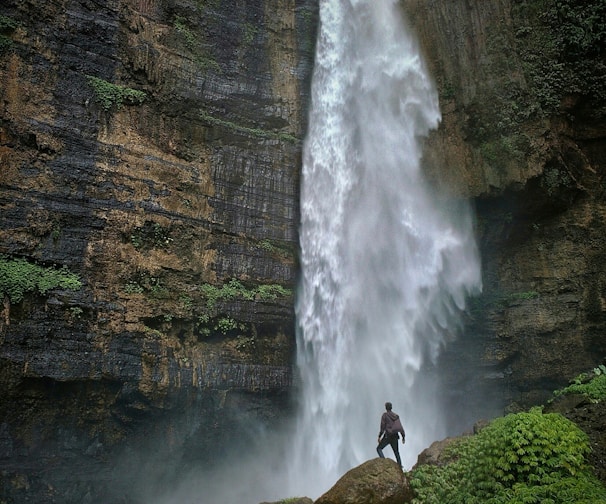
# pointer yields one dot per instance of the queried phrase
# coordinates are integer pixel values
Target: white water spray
(385, 270)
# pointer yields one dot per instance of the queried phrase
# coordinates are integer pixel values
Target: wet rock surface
(534, 168)
(149, 202)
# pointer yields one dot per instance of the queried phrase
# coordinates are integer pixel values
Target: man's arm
(382, 426)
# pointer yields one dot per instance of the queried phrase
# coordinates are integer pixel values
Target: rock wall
(523, 96)
(153, 149)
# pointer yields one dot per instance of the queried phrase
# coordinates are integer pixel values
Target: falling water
(385, 268)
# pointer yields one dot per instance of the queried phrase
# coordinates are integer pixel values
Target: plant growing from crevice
(7, 26)
(212, 320)
(282, 249)
(250, 32)
(235, 289)
(554, 179)
(19, 277)
(110, 95)
(254, 132)
(520, 296)
(145, 283)
(151, 235)
(56, 233)
(194, 45)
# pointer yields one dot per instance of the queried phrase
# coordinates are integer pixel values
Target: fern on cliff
(18, 277)
(109, 95)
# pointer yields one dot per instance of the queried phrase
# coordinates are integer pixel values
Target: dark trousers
(393, 441)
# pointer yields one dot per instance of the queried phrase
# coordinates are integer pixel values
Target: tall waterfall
(386, 266)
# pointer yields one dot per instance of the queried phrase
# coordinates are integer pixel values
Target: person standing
(391, 427)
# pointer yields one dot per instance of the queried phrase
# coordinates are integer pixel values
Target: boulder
(378, 481)
(434, 455)
(293, 500)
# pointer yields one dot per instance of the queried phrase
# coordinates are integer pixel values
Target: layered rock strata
(152, 149)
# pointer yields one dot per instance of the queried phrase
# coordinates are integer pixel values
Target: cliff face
(523, 95)
(153, 149)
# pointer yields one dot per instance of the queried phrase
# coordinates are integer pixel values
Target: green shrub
(591, 385)
(18, 277)
(109, 95)
(520, 458)
(226, 324)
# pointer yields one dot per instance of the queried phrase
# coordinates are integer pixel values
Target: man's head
(388, 406)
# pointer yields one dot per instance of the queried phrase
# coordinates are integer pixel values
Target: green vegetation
(185, 32)
(520, 296)
(282, 249)
(145, 283)
(132, 287)
(7, 26)
(5, 44)
(592, 385)
(255, 132)
(561, 45)
(18, 277)
(186, 302)
(56, 233)
(272, 291)
(499, 151)
(234, 289)
(555, 50)
(226, 324)
(520, 458)
(554, 179)
(150, 235)
(250, 32)
(110, 95)
(194, 45)
(212, 320)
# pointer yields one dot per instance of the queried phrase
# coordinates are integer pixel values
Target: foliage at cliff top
(520, 458)
(18, 277)
(109, 95)
(563, 43)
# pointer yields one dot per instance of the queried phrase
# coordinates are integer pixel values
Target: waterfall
(386, 265)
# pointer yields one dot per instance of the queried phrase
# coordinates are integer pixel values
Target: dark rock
(434, 455)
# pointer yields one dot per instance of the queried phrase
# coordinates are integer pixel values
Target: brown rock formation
(524, 134)
(178, 211)
(377, 481)
(153, 148)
